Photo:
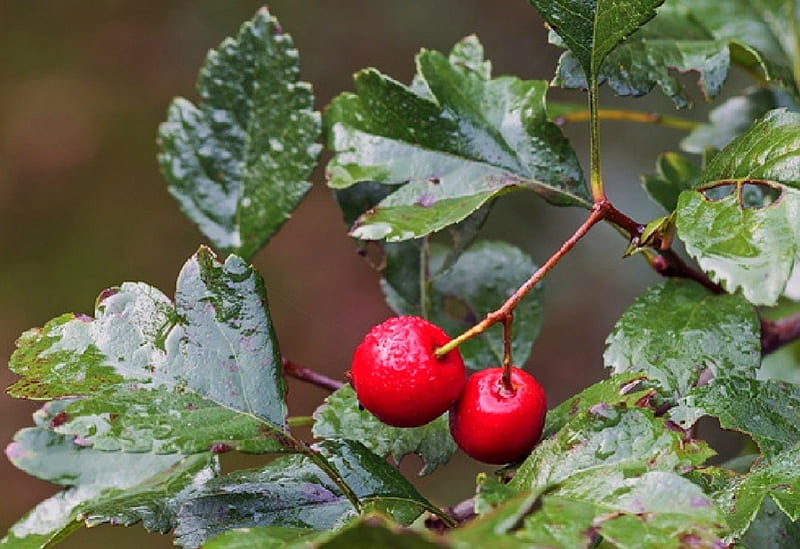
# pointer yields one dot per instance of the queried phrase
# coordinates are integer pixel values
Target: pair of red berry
(398, 378)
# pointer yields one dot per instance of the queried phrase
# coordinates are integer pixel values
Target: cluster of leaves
(145, 395)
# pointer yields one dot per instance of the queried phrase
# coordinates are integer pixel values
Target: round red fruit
(496, 424)
(398, 378)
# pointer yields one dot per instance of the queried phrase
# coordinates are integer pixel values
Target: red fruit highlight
(398, 378)
(496, 425)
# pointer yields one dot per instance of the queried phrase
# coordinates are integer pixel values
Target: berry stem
(598, 213)
(507, 322)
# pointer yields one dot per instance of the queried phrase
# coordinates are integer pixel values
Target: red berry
(494, 424)
(397, 377)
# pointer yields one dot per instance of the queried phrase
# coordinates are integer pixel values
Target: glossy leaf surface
(293, 492)
(768, 411)
(341, 418)
(677, 329)
(592, 29)
(455, 139)
(239, 163)
(748, 238)
(701, 36)
(150, 368)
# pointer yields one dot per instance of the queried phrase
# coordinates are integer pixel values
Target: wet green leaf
(455, 140)
(263, 537)
(371, 531)
(732, 118)
(340, 418)
(778, 478)
(748, 238)
(239, 163)
(677, 329)
(657, 510)
(692, 35)
(771, 529)
(92, 478)
(592, 29)
(628, 439)
(674, 174)
(478, 282)
(627, 387)
(768, 411)
(150, 369)
(292, 492)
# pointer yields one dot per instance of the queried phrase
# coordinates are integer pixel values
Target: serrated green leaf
(732, 118)
(768, 411)
(91, 477)
(340, 418)
(149, 368)
(677, 329)
(239, 163)
(778, 477)
(264, 537)
(658, 510)
(456, 140)
(292, 492)
(771, 529)
(749, 238)
(592, 29)
(693, 35)
(496, 528)
(628, 439)
(627, 387)
(674, 174)
(371, 531)
(478, 282)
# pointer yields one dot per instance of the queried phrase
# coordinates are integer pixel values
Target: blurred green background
(83, 87)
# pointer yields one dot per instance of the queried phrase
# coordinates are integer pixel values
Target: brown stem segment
(667, 262)
(310, 376)
(597, 214)
(777, 333)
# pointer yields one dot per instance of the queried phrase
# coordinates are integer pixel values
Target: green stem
(595, 177)
(300, 421)
(796, 35)
(424, 279)
(673, 122)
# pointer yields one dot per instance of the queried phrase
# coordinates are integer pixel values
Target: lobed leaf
(658, 509)
(93, 479)
(627, 387)
(689, 36)
(778, 478)
(748, 238)
(341, 418)
(677, 329)
(149, 369)
(768, 411)
(733, 117)
(292, 492)
(451, 142)
(239, 163)
(591, 30)
(371, 531)
(628, 439)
